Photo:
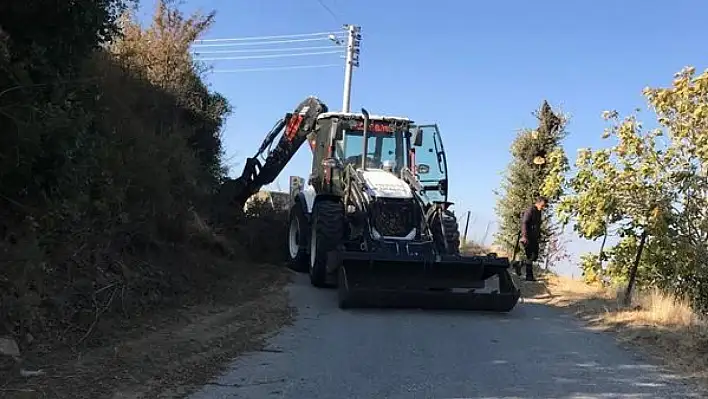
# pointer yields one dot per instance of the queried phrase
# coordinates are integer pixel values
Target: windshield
(382, 146)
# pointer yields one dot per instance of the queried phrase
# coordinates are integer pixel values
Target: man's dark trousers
(531, 229)
(531, 249)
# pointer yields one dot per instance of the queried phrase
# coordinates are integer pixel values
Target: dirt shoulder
(656, 324)
(167, 353)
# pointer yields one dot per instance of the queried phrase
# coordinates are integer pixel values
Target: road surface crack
(271, 350)
(250, 384)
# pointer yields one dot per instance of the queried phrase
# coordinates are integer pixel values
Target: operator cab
(386, 143)
(392, 144)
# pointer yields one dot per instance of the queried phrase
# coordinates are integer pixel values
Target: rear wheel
(297, 240)
(327, 230)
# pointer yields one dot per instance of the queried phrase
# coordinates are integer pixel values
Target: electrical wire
(261, 43)
(329, 10)
(253, 53)
(263, 69)
(238, 39)
(264, 50)
(256, 57)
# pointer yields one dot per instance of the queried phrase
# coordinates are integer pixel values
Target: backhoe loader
(373, 217)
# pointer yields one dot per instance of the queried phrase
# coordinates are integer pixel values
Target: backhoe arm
(294, 128)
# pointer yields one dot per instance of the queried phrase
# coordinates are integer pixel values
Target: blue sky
(477, 69)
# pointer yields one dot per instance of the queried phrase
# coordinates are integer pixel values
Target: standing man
(531, 234)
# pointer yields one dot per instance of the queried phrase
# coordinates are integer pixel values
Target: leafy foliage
(649, 182)
(263, 230)
(110, 149)
(525, 180)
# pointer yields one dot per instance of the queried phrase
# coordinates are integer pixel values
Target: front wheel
(452, 233)
(326, 234)
(446, 232)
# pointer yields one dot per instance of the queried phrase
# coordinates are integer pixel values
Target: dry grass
(659, 324)
(169, 353)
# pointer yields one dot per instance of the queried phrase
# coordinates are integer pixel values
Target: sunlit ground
(662, 325)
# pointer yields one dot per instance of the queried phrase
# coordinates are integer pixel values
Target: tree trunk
(602, 247)
(633, 270)
(548, 255)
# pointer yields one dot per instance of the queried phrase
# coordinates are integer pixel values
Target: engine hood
(381, 183)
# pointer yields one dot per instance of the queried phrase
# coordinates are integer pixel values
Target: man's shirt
(531, 224)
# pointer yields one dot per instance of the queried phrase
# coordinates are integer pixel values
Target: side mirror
(418, 137)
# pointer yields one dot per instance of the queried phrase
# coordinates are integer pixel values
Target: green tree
(627, 184)
(651, 187)
(535, 154)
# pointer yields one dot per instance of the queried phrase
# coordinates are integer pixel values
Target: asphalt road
(533, 352)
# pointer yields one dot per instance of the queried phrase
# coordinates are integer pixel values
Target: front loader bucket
(452, 282)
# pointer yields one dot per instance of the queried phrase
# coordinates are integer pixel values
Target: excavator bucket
(373, 279)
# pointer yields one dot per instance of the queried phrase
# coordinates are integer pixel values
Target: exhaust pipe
(366, 138)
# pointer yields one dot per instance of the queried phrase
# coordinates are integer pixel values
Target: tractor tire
(452, 233)
(298, 233)
(447, 233)
(327, 231)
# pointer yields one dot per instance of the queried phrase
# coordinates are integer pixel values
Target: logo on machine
(374, 126)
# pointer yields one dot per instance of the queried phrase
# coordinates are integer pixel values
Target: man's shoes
(529, 272)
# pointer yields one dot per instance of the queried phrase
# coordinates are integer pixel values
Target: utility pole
(467, 224)
(352, 60)
(486, 230)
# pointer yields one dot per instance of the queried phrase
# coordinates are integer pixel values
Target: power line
(263, 69)
(337, 47)
(238, 39)
(265, 42)
(329, 10)
(264, 50)
(255, 57)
